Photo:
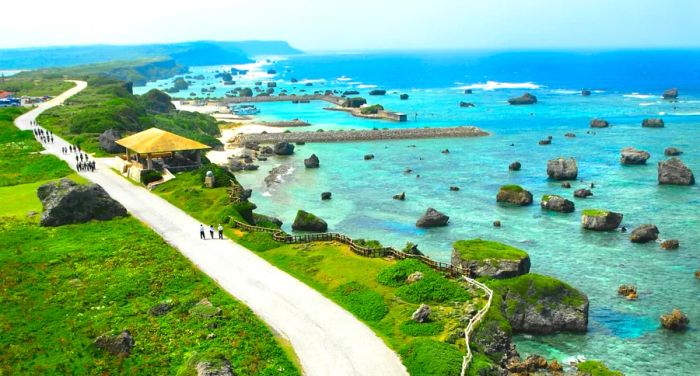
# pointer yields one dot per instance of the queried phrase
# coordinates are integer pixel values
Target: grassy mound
(531, 288)
(512, 188)
(430, 357)
(595, 212)
(595, 368)
(477, 249)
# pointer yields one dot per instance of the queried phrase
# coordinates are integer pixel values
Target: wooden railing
(452, 270)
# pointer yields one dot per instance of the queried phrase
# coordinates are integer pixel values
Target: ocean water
(627, 88)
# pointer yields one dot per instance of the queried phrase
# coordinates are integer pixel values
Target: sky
(330, 25)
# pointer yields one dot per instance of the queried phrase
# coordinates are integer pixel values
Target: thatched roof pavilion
(157, 143)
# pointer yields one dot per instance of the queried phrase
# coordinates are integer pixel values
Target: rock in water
(632, 156)
(401, 196)
(583, 193)
(599, 123)
(466, 104)
(403, 96)
(306, 221)
(557, 203)
(672, 152)
(566, 184)
(670, 244)
(545, 142)
(627, 290)
(422, 314)
(670, 93)
(432, 218)
(526, 98)
(600, 220)
(66, 201)
(644, 234)
(515, 166)
(312, 161)
(369, 157)
(108, 140)
(675, 172)
(283, 148)
(570, 135)
(562, 169)
(653, 123)
(585, 92)
(326, 195)
(514, 194)
(484, 258)
(675, 320)
(540, 305)
(377, 92)
(220, 367)
(116, 345)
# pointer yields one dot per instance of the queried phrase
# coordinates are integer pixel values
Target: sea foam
(495, 85)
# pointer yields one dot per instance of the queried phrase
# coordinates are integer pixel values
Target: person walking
(201, 232)
(211, 231)
(221, 231)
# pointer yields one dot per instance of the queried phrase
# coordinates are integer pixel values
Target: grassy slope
(34, 86)
(63, 286)
(477, 249)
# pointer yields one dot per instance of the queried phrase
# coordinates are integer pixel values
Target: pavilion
(156, 143)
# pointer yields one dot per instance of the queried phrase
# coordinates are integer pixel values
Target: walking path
(327, 339)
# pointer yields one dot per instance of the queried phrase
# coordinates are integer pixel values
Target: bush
(595, 368)
(361, 301)
(396, 274)
(371, 110)
(372, 244)
(430, 357)
(149, 176)
(414, 329)
(432, 288)
(512, 188)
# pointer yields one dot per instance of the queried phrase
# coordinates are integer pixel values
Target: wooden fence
(452, 270)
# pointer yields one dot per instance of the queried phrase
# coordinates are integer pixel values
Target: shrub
(361, 301)
(430, 357)
(149, 176)
(373, 244)
(371, 110)
(595, 368)
(512, 187)
(414, 329)
(396, 274)
(432, 288)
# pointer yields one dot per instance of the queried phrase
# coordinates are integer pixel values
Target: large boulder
(675, 320)
(672, 151)
(582, 193)
(673, 171)
(306, 221)
(120, 344)
(311, 162)
(538, 304)
(108, 141)
(157, 102)
(515, 166)
(526, 98)
(670, 244)
(422, 314)
(66, 201)
(432, 218)
(599, 123)
(283, 148)
(632, 156)
(600, 220)
(377, 92)
(557, 203)
(644, 234)
(562, 169)
(215, 367)
(514, 194)
(355, 102)
(491, 259)
(653, 123)
(670, 93)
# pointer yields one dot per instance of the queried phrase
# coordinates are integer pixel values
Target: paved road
(327, 339)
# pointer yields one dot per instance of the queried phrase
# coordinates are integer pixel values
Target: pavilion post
(198, 157)
(150, 161)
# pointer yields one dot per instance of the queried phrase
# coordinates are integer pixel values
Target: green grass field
(35, 86)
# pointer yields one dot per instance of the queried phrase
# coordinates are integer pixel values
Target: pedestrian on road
(211, 231)
(221, 231)
(201, 232)
(77, 159)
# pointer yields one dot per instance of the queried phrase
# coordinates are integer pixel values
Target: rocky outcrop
(377, 92)
(632, 156)
(326, 195)
(672, 152)
(312, 162)
(219, 367)
(432, 218)
(403, 96)
(369, 157)
(570, 135)
(490, 259)
(600, 220)
(306, 221)
(628, 291)
(422, 314)
(108, 140)
(401, 196)
(557, 204)
(466, 104)
(514, 194)
(66, 201)
(120, 344)
(670, 93)
(673, 171)
(670, 244)
(599, 123)
(585, 92)
(644, 234)
(541, 305)
(156, 101)
(582, 193)
(653, 123)
(260, 219)
(526, 98)
(414, 277)
(160, 309)
(531, 365)
(515, 166)
(675, 320)
(562, 169)
(355, 102)
(283, 148)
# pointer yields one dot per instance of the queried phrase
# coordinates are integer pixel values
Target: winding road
(327, 339)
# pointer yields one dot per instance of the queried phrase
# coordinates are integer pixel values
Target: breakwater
(360, 135)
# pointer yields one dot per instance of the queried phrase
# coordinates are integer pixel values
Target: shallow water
(624, 334)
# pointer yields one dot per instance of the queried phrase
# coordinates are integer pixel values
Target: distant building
(9, 102)
(5, 94)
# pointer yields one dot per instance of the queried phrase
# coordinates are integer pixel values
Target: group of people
(45, 137)
(203, 235)
(85, 166)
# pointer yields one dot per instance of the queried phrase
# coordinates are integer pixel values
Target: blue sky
(322, 25)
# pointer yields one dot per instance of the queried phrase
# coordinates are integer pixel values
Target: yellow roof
(156, 140)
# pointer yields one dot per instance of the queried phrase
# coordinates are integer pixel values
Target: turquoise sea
(627, 87)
